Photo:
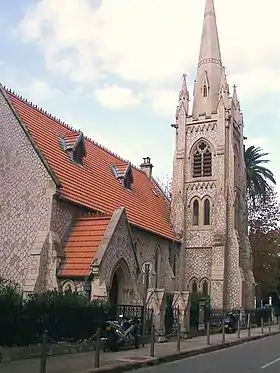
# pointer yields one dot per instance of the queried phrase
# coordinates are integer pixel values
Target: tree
(257, 175)
(165, 183)
(264, 218)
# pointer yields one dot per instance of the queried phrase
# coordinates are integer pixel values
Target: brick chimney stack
(147, 167)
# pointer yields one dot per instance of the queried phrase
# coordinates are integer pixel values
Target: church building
(74, 215)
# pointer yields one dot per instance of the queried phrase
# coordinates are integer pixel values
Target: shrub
(66, 316)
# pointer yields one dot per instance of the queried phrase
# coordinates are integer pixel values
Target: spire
(235, 98)
(184, 93)
(224, 87)
(183, 97)
(209, 70)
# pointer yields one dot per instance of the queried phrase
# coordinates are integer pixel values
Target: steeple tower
(209, 70)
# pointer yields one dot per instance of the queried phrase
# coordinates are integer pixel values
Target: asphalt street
(261, 356)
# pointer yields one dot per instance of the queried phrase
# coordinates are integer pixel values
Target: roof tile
(94, 185)
(82, 245)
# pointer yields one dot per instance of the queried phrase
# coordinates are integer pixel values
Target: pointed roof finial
(210, 60)
(184, 94)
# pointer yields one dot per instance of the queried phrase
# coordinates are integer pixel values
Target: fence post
(97, 349)
(249, 325)
(223, 332)
(269, 324)
(146, 285)
(208, 332)
(238, 328)
(152, 347)
(178, 336)
(44, 352)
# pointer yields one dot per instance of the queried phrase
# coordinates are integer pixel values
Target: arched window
(206, 209)
(205, 289)
(202, 160)
(195, 212)
(137, 249)
(146, 271)
(175, 264)
(194, 287)
(157, 266)
(205, 90)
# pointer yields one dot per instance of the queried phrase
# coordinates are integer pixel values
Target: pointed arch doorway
(121, 284)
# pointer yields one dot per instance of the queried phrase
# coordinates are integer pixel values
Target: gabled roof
(82, 245)
(94, 184)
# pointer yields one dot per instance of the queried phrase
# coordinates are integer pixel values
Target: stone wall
(26, 196)
(148, 244)
(232, 255)
(64, 215)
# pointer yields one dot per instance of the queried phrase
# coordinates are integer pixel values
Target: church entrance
(121, 284)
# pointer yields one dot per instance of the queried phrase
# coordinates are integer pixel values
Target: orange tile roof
(95, 185)
(82, 245)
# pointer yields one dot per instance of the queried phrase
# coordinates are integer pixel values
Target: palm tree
(257, 175)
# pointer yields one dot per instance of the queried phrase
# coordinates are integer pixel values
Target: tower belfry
(208, 206)
(209, 69)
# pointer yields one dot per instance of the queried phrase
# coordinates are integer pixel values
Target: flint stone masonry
(26, 197)
(222, 256)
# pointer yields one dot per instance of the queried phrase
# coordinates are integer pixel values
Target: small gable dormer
(123, 172)
(74, 145)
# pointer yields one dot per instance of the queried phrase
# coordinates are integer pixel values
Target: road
(261, 356)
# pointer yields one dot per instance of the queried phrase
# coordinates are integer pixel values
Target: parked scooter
(230, 323)
(121, 332)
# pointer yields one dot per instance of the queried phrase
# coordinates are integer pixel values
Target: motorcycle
(230, 322)
(121, 332)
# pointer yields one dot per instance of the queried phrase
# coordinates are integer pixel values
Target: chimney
(146, 166)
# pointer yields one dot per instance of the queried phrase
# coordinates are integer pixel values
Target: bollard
(208, 332)
(261, 325)
(238, 328)
(178, 337)
(223, 332)
(278, 322)
(249, 325)
(97, 349)
(152, 347)
(44, 352)
(269, 324)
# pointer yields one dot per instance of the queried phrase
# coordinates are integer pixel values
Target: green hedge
(66, 316)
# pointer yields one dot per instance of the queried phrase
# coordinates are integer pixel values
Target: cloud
(115, 97)
(164, 102)
(40, 90)
(143, 40)
(256, 141)
(258, 81)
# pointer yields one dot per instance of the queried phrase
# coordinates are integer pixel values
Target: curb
(177, 355)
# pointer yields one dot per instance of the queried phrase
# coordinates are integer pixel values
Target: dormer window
(123, 172)
(74, 145)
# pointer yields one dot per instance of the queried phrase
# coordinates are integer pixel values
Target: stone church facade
(73, 213)
(209, 209)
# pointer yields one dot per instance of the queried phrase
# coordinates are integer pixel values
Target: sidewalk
(84, 362)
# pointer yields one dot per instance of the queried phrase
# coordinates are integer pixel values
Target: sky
(113, 68)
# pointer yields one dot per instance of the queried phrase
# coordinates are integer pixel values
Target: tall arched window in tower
(206, 210)
(194, 286)
(157, 266)
(205, 288)
(195, 212)
(202, 160)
